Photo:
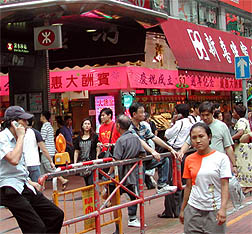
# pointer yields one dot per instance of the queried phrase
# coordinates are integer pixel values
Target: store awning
(201, 48)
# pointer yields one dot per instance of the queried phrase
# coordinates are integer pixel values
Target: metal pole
(97, 201)
(141, 191)
(244, 94)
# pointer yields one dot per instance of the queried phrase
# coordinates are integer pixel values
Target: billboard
(241, 4)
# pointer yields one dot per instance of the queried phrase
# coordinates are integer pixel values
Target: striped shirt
(48, 136)
(144, 132)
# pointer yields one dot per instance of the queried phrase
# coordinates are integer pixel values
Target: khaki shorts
(45, 166)
(199, 221)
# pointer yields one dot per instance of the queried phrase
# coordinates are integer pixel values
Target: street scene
(126, 116)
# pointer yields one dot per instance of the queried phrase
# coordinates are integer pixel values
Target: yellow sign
(88, 207)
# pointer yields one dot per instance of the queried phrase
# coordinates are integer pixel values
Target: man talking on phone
(32, 210)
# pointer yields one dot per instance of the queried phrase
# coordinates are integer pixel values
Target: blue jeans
(34, 172)
(163, 170)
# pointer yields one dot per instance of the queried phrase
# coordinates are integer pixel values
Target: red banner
(4, 85)
(142, 78)
(89, 79)
(206, 49)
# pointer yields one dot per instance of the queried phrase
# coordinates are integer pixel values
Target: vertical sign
(104, 102)
(88, 207)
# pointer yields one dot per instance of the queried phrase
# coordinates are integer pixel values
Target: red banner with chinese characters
(206, 49)
(140, 77)
(4, 85)
(89, 79)
(209, 81)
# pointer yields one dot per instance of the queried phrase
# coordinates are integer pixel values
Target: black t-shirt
(86, 147)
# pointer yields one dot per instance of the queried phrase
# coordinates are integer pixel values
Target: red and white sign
(4, 85)
(48, 37)
(104, 102)
(206, 49)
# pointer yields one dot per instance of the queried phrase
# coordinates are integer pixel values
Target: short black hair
(183, 109)
(204, 126)
(47, 115)
(240, 110)
(206, 106)
(216, 114)
(134, 107)
(194, 105)
(107, 111)
(124, 121)
(216, 105)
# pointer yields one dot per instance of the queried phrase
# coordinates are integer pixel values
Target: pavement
(239, 221)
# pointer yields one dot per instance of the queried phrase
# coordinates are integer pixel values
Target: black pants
(34, 213)
(174, 201)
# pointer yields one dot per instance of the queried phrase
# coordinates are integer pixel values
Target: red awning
(201, 48)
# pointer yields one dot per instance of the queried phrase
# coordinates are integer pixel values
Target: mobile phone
(15, 123)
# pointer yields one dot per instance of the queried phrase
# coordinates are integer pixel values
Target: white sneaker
(135, 223)
(166, 188)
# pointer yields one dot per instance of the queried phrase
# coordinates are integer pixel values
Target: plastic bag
(150, 172)
(235, 191)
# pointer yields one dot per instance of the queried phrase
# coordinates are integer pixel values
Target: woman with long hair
(207, 174)
(85, 146)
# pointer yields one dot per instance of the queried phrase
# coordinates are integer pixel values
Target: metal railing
(101, 209)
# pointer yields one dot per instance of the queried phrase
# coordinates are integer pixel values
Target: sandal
(64, 185)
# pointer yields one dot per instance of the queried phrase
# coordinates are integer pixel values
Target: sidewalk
(237, 222)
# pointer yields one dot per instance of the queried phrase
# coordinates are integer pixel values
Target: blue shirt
(10, 175)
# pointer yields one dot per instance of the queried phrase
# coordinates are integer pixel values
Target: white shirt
(176, 136)
(206, 172)
(30, 148)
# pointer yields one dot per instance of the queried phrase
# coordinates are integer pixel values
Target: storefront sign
(4, 85)
(206, 49)
(142, 77)
(92, 79)
(209, 81)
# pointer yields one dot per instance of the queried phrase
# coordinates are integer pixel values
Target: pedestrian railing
(91, 208)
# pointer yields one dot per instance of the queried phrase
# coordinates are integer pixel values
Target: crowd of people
(217, 137)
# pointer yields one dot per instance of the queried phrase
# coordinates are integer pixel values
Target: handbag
(235, 191)
(107, 153)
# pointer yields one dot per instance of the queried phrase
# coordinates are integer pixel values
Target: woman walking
(207, 172)
(85, 146)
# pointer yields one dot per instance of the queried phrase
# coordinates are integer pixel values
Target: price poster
(35, 100)
(104, 102)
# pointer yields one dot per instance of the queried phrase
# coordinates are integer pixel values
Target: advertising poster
(104, 102)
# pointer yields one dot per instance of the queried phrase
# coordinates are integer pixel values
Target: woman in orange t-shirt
(207, 174)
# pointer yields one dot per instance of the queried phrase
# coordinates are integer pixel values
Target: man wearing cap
(32, 210)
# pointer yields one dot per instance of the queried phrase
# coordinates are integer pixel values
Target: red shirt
(104, 134)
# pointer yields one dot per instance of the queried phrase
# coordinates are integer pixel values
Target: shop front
(205, 59)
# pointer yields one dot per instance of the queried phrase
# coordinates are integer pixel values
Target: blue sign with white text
(242, 69)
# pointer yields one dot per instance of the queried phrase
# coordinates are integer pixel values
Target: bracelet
(234, 165)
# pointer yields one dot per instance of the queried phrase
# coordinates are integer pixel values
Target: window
(238, 25)
(198, 13)
(207, 15)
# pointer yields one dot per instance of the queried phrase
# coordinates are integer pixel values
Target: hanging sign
(47, 37)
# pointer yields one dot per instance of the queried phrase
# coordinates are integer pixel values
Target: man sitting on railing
(32, 210)
(128, 146)
(142, 129)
